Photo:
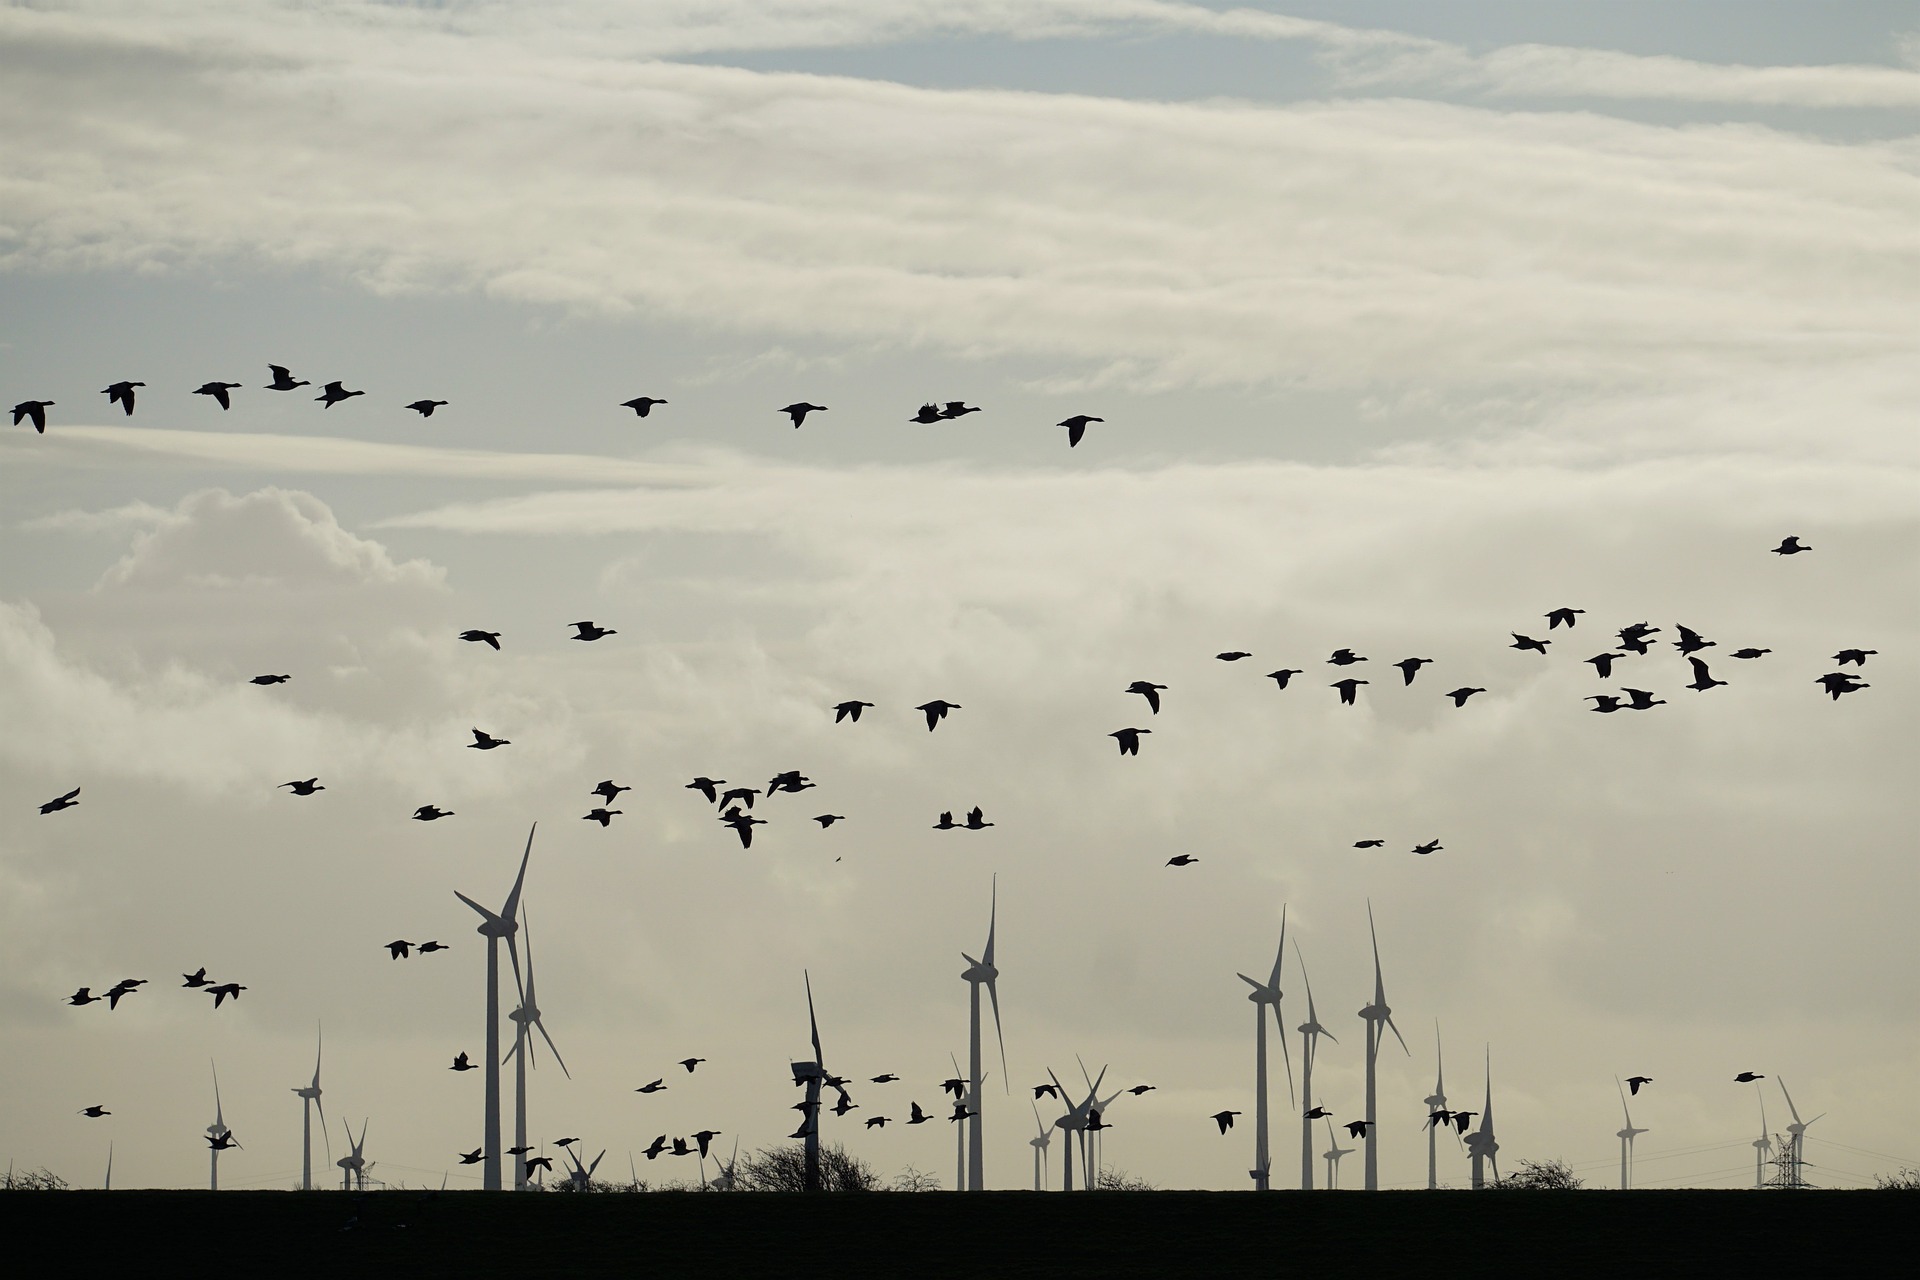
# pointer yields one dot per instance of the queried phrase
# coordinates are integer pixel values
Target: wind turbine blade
(1379, 987)
(1440, 1064)
(1398, 1036)
(596, 1162)
(318, 1046)
(219, 1117)
(513, 953)
(556, 1052)
(1621, 1090)
(993, 994)
(1281, 954)
(813, 1024)
(1790, 1107)
(1286, 1055)
(993, 912)
(1249, 981)
(485, 913)
(511, 910)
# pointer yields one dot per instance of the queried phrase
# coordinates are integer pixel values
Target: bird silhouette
(917, 1116)
(589, 632)
(333, 393)
(514, 1151)
(876, 1122)
(1410, 667)
(284, 381)
(1562, 618)
(1790, 546)
(1702, 678)
(1283, 675)
(849, 710)
(1369, 844)
(738, 794)
(655, 1147)
(1751, 653)
(1748, 1077)
(656, 1087)
(828, 819)
(1839, 682)
(399, 949)
(67, 801)
(1690, 641)
(1528, 642)
(1641, 700)
(1431, 846)
(484, 741)
(958, 409)
(222, 1141)
(1345, 658)
(1094, 1123)
(743, 825)
(1077, 427)
(121, 393)
(928, 413)
(1634, 1083)
(225, 989)
(799, 410)
(609, 790)
(954, 1085)
(642, 405)
(603, 816)
(1348, 688)
(96, 1111)
(705, 1138)
(304, 788)
(1461, 1118)
(1461, 695)
(430, 813)
(1224, 1119)
(977, 819)
(490, 638)
(691, 1063)
(1858, 657)
(1605, 703)
(1233, 655)
(1129, 740)
(536, 1163)
(267, 680)
(471, 1157)
(1437, 1119)
(1182, 860)
(83, 996)
(428, 948)
(707, 787)
(946, 822)
(792, 781)
(1315, 1113)
(218, 390)
(1139, 1089)
(1148, 690)
(425, 408)
(198, 978)
(121, 989)
(1046, 1091)
(1603, 663)
(937, 711)
(845, 1105)
(1636, 637)
(34, 411)
(1358, 1128)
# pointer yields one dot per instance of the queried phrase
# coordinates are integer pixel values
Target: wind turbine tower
(217, 1130)
(1437, 1101)
(1334, 1152)
(1376, 1015)
(527, 1015)
(1310, 1033)
(494, 928)
(1480, 1143)
(981, 973)
(1265, 996)
(1796, 1137)
(309, 1099)
(1039, 1146)
(1626, 1136)
(812, 1074)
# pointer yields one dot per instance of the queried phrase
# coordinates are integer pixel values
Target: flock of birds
(735, 805)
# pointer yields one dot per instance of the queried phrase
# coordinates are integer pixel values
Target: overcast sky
(1407, 322)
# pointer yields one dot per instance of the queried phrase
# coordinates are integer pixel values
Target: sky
(1407, 323)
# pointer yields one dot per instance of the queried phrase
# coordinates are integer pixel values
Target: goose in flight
(399, 949)
(1077, 427)
(691, 1063)
(877, 1122)
(916, 1115)
(1345, 658)
(828, 819)
(198, 978)
(656, 1087)
(1347, 689)
(263, 681)
(1604, 703)
(609, 790)
(1224, 1119)
(428, 948)
(602, 816)
(225, 989)
(1316, 1113)
(1858, 657)
(1641, 700)
(1562, 618)
(884, 1078)
(1139, 1089)
(588, 631)
(121, 393)
(67, 801)
(1748, 1077)
(799, 410)
(305, 787)
(946, 822)
(1634, 1083)
(743, 826)
(1283, 675)
(1233, 655)
(849, 710)
(1528, 642)
(707, 787)
(977, 819)
(1129, 740)
(1358, 1128)
(1148, 690)
(958, 409)
(792, 781)
(1410, 667)
(1751, 653)
(928, 413)
(1635, 637)
(705, 1138)
(83, 996)
(937, 711)
(124, 987)
(1182, 860)
(333, 393)
(431, 813)
(34, 411)
(222, 1141)
(1046, 1091)
(1431, 846)
(425, 408)
(1702, 678)
(1791, 546)
(642, 405)
(96, 1111)
(1690, 640)
(1602, 663)
(471, 1157)
(484, 741)
(1461, 695)
(731, 794)
(460, 1063)
(218, 390)
(284, 381)
(1369, 844)
(475, 636)
(1839, 682)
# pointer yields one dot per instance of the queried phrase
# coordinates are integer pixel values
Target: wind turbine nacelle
(805, 1071)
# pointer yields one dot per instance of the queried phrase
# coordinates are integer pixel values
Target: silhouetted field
(1159, 1234)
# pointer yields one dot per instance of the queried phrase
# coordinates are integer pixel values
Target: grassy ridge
(1007, 1234)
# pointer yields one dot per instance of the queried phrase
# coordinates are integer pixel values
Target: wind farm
(764, 464)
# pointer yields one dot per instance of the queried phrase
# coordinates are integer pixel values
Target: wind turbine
(1333, 1154)
(1436, 1102)
(1796, 1136)
(1376, 1015)
(1480, 1143)
(1266, 995)
(722, 1181)
(811, 1074)
(1090, 1137)
(1074, 1122)
(1310, 1033)
(310, 1098)
(493, 928)
(581, 1175)
(981, 973)
(1626, 1136)
(1039, 1146)
(108, 1184)
(528, 1014)
(217, 1130)
(1763, 1145)
(353, 1167)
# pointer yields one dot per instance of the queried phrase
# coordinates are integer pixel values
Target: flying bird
(514, 1151)
(958, 409)
(641, 405)
(1788, 546)
(1139, 1089)
(928, 413)
(937, 711)
(1751, 653)
(399, 949)
(120, 989)
(845, 1105)
(1461, 695)
(218, 390)
(1358, 1128)
(1182, 860)
(1528, 642)
(222, 1141)
(588, 631)
(609, 790)
(534, 1163)
(1046, 1091)
(849, 710)
(799, 410)
(1604, 703)
(304, 788)
(603, 816)
(1635, 637)
(1345, 658)
(1369, 844)
(471, 1157)
(655, 1147)
(705, 1138)
(792, 781)
(1129, 740)
(740, 794)
(1858, 657)
(1603, 663)
(225, 989)
(96, 1111)
(430, 813)
(1702, 678)
(1283, 675)
(425, 408)
(1077, 427)
(887, 1078)
(428, 948)
(1460, 1119)
(954, 1085)
(707, 787)
(121, 393)
(1690, 641)
(917, 1116)
(1410, 667)
(198, 978)
(691, 1063)
(1224, 1119)
(1634, 1083)
(977, 819)
(828, 819)
(1641, 700)
(333, 393)
(743, 826)
(1748, 1077)
(1148, 690)
(284, 381)
(34, 411)
(876, 1122)
(656, 1087)
(1839, 682)
(484, 741)
(1431, 846)
(267, 680)
(1348, 688)
(1562, 618)
(946, 822)
(1233, 655)
(1437, 1118)
(67, 801)
(1316, 1113)
(490, 638)
(83, 996)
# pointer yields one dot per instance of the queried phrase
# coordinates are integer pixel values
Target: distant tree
(1908, 1179)
(32, 1180)
(785, 1169)
(1121, 1180)
(912, 1179)
(1541, 1175)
